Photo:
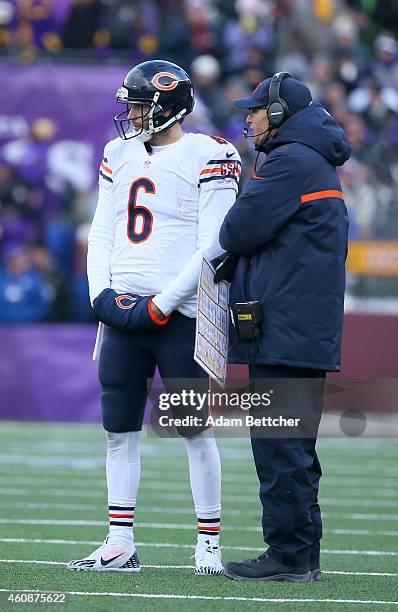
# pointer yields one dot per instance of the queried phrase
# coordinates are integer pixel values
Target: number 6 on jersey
(140, 218)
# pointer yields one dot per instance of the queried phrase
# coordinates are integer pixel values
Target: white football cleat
(108, 558)
(208, 559)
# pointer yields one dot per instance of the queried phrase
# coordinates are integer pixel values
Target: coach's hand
(224, 267)
(128, 311)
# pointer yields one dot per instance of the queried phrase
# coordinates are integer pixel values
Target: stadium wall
(47, 373)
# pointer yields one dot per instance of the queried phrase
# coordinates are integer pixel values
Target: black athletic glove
(127, 312)
(225, 267)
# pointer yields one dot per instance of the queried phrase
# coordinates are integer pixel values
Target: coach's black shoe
(265, 568)
(316, 574)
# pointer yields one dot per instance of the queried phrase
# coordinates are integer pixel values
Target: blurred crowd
(345, 50)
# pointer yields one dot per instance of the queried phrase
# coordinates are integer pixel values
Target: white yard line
(361, 532)
(233, 477)
(150, 489)
(209, 598)
(326, 551)
(231, 472)
(161, 566)
(12, 521)
(324, 502)
(333, 470)
(144, 493)
(41, 562)
(357, 516)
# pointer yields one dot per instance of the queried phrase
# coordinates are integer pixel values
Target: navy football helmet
(161, 86)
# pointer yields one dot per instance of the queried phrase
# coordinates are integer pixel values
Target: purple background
(80, 99)
(47, 372)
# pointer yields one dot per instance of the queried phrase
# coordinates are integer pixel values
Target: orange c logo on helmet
(131, 301)
(170, 81)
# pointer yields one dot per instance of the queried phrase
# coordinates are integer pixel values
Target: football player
(163, 195)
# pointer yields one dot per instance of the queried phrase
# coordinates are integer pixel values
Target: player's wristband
(154, 317)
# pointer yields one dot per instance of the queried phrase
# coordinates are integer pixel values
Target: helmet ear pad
(277, 113)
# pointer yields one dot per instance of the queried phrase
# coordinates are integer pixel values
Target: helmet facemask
(152, 121)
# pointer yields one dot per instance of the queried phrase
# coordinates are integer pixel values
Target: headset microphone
(246, 134)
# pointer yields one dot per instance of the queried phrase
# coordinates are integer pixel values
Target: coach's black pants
(289, 470)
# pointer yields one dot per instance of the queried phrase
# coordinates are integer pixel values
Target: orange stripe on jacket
(106, 168)
(320, 195)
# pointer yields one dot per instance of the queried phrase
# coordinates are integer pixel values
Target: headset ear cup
(277, 112)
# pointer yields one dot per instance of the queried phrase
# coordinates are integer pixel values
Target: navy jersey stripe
(107, 178)
(218, 178)
(224, 161)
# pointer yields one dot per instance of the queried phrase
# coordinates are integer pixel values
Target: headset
(277, 109)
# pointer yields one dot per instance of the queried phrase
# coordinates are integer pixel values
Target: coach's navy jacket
(290, 228)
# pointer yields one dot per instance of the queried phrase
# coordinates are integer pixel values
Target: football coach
(287, 231)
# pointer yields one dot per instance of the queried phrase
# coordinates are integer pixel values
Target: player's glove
(127, 312)
(224, 266)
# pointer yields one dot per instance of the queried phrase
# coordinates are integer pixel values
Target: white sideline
(144, 525)
(173, 497)
(244, 478)
(160, 566)
(324, 502)
(339, 479)
(361, 532)
(41, 562)
(209, 598)
(354, 468)
(152, 492)
(326, 551)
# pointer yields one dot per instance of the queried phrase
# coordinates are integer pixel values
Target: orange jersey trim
(321, 195)
(210, 170)
(106, 168)
(257, 178)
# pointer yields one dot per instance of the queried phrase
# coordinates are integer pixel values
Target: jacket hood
(315, 128)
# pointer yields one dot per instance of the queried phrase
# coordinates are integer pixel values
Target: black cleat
(316, 574)
(267, 569)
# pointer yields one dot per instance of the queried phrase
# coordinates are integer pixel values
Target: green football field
(53, 509)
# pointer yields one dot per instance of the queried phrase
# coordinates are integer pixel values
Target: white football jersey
(158, 214)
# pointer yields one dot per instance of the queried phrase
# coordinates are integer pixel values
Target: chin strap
(152, 129)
